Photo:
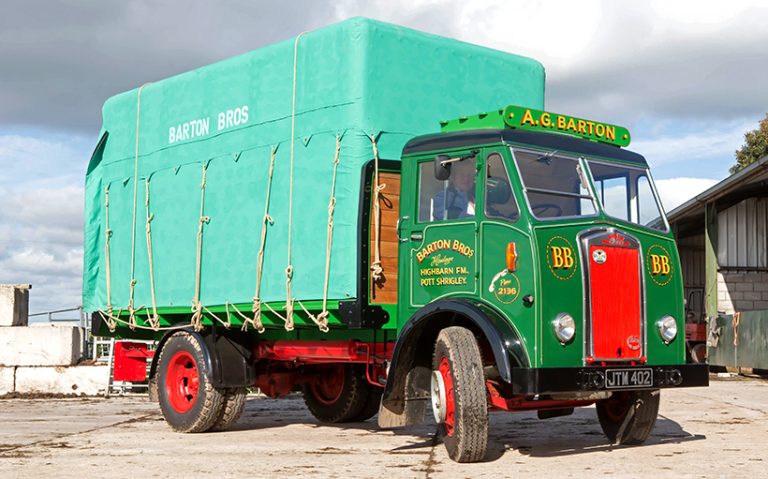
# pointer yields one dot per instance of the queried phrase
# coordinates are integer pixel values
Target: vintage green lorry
(299, 217)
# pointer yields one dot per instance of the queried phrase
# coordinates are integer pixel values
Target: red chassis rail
(323, 352)
(284, 359)
(283, 372)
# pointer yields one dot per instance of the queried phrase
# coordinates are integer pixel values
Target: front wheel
(188, 400)
(458, 395)
(628, 417)
(699, 353)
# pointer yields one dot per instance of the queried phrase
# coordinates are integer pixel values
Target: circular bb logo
(561, 258)
(658, 263)
(599, 256)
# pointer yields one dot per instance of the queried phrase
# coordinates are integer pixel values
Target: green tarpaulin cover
(353, 79)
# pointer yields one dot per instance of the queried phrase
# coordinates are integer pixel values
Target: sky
(686, 77)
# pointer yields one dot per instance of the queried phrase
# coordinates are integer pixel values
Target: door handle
(417, 236)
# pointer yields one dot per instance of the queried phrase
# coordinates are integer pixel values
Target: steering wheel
(542, 208)
(492, 212)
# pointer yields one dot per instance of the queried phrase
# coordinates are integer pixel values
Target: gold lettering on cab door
(437, 263)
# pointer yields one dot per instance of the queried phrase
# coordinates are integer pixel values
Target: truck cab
(553, 251)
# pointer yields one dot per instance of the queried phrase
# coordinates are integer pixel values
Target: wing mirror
(443, 164)
(442, 167)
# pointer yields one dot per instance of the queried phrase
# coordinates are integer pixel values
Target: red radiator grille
(614, 283)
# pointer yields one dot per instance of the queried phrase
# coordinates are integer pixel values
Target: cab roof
(549, 141)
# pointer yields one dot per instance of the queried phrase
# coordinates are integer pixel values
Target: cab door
(439, 242)
(504, 239)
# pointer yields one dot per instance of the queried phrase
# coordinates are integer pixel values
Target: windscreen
(626, 193)
(554, 184)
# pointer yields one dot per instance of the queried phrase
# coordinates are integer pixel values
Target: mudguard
(226, 357)
(407, 390)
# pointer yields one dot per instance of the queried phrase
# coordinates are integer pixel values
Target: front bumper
(559, 380)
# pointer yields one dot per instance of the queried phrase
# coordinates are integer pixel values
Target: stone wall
(41, 345)
(77, 380)
(742, 291)
(43, 358)
(14, 304)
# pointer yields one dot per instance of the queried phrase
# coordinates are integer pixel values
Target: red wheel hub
(182, 382)
(450, 410)
(329, 385)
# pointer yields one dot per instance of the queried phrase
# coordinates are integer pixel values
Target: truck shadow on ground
(524, 433)
(579, 433)
(265, 413)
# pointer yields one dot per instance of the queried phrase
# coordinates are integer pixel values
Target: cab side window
(450, 199)
(499, 199)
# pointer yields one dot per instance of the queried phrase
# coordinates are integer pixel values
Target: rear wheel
(458, 395)
(628, 417)
(231, 409)
(338, 393)
(372, 403)
(188, 400)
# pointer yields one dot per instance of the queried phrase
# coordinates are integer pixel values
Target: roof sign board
(537, 120)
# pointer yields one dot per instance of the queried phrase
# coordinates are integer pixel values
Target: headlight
(667, 328)
(564, 327)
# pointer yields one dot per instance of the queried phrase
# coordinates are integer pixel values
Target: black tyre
(231, 409)
(187, 398)
(338, 393)
(699, 353)
(458, 395)
(372, 402)
(628, 417)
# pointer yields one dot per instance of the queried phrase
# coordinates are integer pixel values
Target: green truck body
(294, 217)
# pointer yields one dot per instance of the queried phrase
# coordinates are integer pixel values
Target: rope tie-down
(197, 307)
(111, 324)
(322, 318)
(111, 319)
(154, 319)
(131, 309)
(377, 270)
(289, 326)
(266, 221)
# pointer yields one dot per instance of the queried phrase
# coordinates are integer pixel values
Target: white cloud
(712, 140)
(676, 191)
(48, 159)
(41, 239)
(700, 15)
(49, 207)
(620, 59)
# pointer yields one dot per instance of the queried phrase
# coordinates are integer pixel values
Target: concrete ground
(720, 431)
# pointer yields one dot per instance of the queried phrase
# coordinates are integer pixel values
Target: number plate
(628, 378)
